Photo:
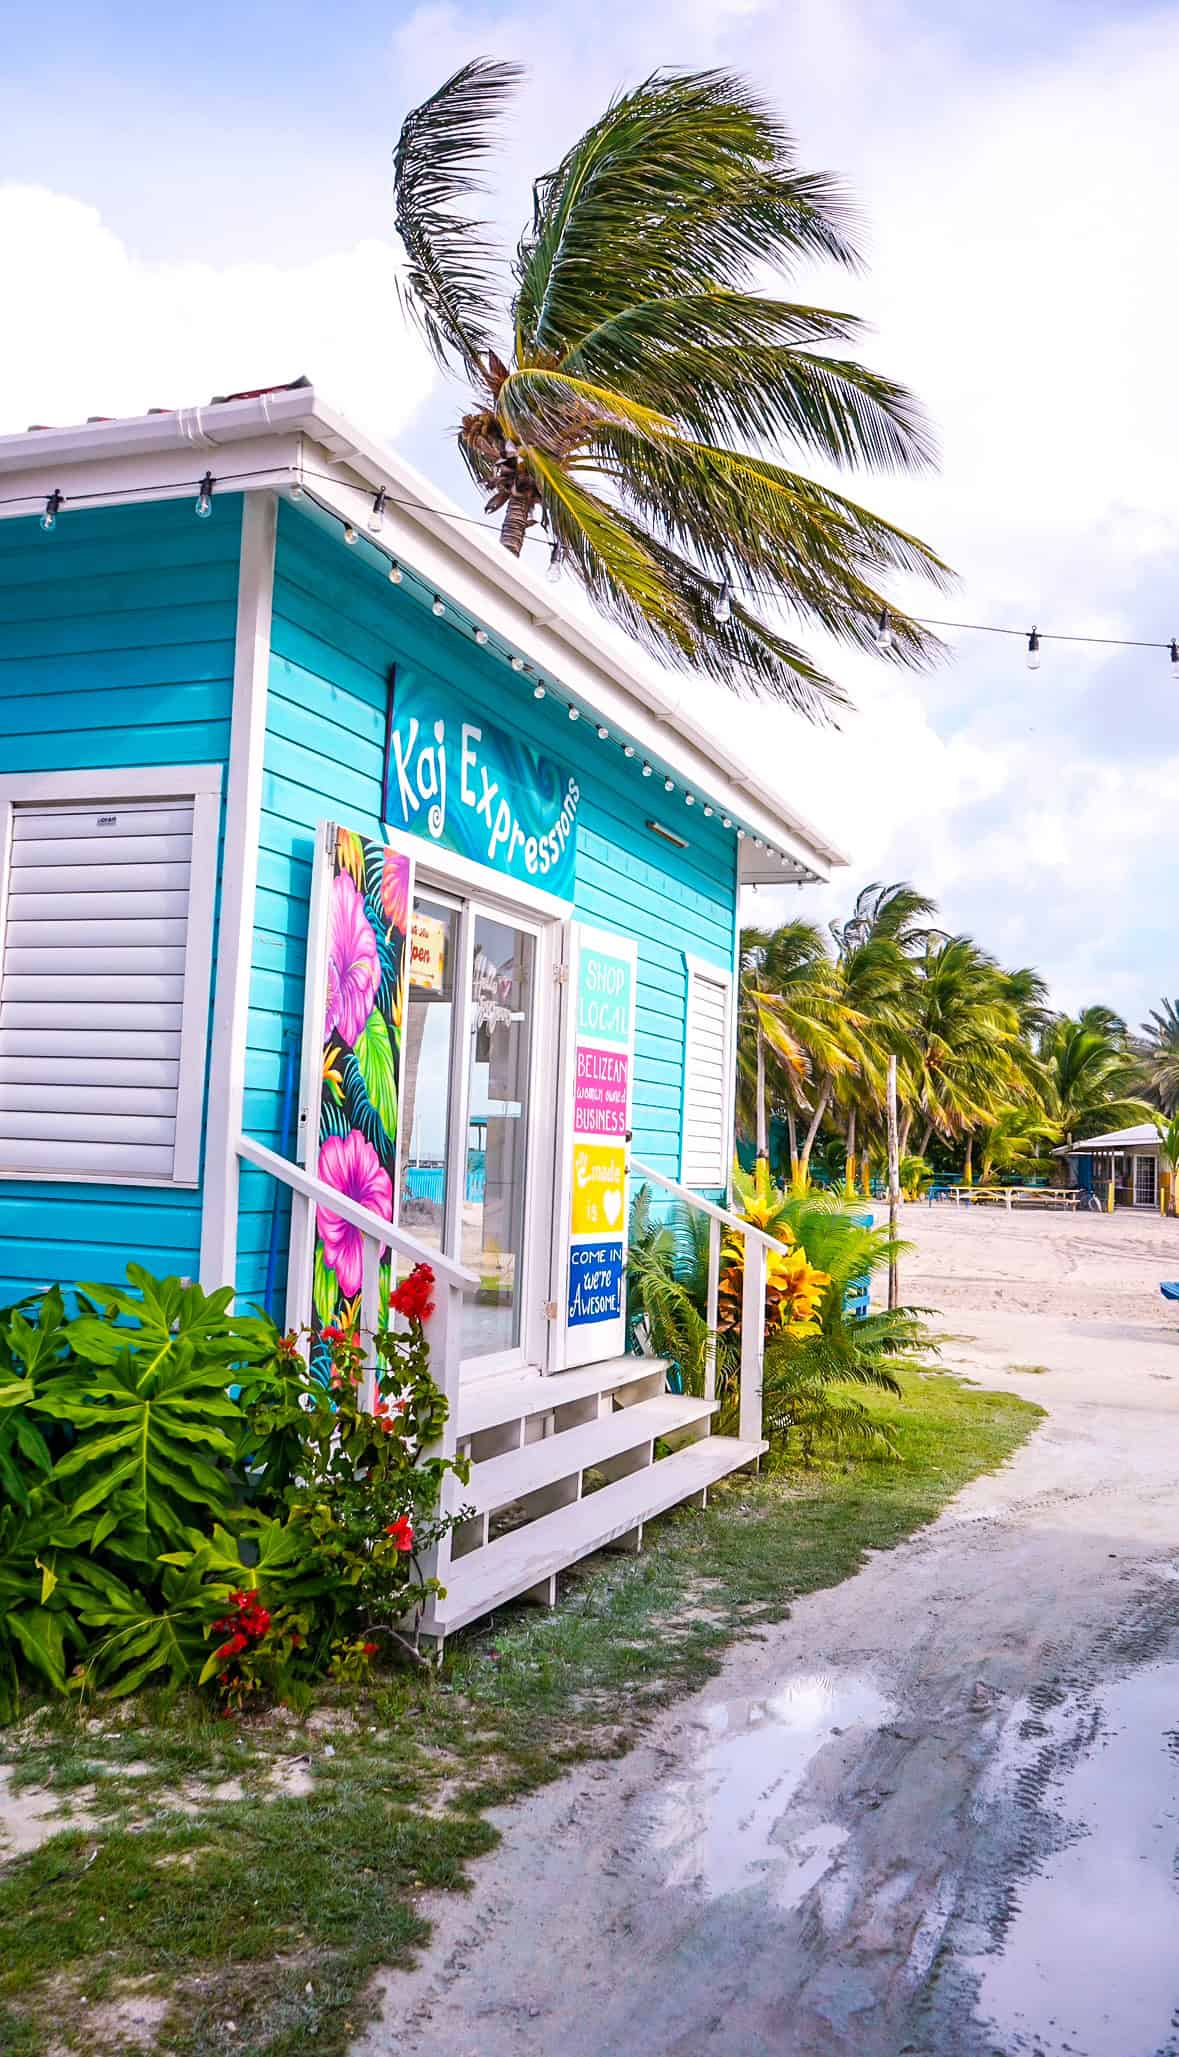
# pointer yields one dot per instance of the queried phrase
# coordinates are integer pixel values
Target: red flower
(414, 1296)
(296, 1640)
(370, 1649)
(340, 1335)
(287, 1346)
(234, 1646)
(401, 1532)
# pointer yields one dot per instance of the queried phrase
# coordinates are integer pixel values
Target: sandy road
(935, 1813)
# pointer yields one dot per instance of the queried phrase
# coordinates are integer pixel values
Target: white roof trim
(1143, 1136)
(260, 444)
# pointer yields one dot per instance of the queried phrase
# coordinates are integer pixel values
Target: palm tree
(966, 1033)
(786, 1021)
(629, 377)
(1092, 1076)
(1158, 1052)
(871, 974)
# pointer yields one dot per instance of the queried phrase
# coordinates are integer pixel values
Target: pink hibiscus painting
(395, 891)
(353, 969)
(350, 1165)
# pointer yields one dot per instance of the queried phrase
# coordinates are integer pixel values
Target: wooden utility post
(894, 1181)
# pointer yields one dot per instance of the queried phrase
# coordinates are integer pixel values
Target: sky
(207, 207)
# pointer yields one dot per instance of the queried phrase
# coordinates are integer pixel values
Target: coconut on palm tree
(634, 390)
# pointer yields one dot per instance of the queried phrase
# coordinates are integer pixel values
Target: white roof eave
(659, 718)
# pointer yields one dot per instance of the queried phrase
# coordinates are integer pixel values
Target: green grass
(271, 1910)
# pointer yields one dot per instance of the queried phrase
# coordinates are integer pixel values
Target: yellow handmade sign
(599, 1171)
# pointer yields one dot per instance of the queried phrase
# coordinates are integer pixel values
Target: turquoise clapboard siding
(116, 650)
(337, 628)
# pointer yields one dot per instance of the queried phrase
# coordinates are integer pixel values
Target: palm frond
(454, 269)
(729, 364)
(687, 181)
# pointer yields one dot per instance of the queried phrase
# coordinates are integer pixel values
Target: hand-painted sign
(455, 779)
(599, 1091)
(595, 1283)
(599, 1172)
(602, 1055)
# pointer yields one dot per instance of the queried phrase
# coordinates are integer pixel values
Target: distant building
(1129, 1157)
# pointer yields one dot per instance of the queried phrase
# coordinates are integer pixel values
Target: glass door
(467, 1129)
(499, 1050)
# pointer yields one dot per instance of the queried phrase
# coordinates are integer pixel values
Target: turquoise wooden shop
(351, 878)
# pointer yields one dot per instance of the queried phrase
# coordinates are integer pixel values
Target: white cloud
(105, 333)
(1021, 210)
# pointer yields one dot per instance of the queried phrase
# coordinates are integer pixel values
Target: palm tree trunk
(763, 1152)
(968, 1165)
(925, 1139)
(906, 1125)
(804, 1167)
(514, 526)
(849, 1170)
(792, 1132)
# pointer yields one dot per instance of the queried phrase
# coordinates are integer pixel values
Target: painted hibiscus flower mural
(367, 929)
(351, 1166)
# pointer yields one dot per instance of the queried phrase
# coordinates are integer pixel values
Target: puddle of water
(1088, 1961)
(722, 1824)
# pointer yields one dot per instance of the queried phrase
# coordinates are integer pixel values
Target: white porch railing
(443, 1330)
(753, 1296)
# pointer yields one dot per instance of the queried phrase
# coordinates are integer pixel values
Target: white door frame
(544, 915)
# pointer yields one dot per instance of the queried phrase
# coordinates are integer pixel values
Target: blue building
(330, 833)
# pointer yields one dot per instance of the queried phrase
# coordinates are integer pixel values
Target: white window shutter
(104, 975)
(705, 1141)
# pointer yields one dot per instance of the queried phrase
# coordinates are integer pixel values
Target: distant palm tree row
(985, 1070)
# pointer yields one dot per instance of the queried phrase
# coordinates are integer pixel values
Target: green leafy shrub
(184, 1502)
(811, 1373)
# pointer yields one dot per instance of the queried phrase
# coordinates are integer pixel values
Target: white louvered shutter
(101, 901)
(704, 1157)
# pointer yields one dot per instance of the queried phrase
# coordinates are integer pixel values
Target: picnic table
(1067, 1197)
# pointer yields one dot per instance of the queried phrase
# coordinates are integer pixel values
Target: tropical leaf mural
(367, 931)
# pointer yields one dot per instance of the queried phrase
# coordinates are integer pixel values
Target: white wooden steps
(529, 1558)
(572, 1461)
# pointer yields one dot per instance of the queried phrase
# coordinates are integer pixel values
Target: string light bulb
(722, 608)
(707, 813)
(669, 785)
(204, 498)
(603, 733)
(395, 573)
(1174, 658)
(628, 749)
(553, 570)
(726, 821)
(377, 517)
(298, 491)
(538, 692)
(481, 637)
(575, 714)
(1033, 656)
(647, 770)
(438, 606)
(52, 508)
(349, 534)
(689, 799)
(883, 636)
(517, 664)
